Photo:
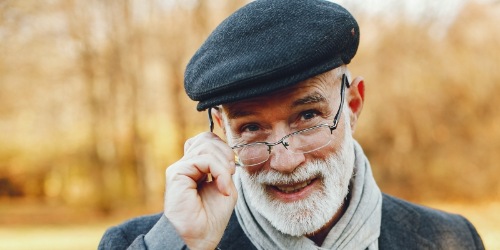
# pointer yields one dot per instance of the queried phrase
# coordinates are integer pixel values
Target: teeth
(293, 188)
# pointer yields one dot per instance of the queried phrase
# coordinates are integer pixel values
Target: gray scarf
(359, 227)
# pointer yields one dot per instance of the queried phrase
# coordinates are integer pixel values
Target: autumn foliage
(92, 106)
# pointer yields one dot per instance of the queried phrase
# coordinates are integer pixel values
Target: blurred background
(92, 108)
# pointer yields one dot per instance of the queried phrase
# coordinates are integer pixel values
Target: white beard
(312, 213)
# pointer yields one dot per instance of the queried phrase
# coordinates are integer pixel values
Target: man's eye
(308, 115)
(250, 128)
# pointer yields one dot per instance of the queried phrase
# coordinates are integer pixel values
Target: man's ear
(217, 115)
(355, 99)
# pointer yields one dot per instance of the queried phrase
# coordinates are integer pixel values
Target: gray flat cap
(269, 45)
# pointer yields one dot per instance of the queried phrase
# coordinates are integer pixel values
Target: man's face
(297, 193)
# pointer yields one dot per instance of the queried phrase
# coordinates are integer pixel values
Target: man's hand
(200, 210)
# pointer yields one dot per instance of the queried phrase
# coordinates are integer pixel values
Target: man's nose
(284, 160)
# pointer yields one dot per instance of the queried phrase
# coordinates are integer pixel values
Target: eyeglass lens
(300, 142)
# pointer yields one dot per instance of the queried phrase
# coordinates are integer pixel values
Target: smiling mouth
(287, 189)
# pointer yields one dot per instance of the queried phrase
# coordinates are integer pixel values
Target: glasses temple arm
(345, 82)
(210, 120)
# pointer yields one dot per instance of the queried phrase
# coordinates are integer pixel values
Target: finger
(203, 138)
(198, 167)
(220, 171)
(200, 137)
(222, 153)
(208, 143)
(188, 144)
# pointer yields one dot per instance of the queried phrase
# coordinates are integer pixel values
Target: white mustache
(303, 173)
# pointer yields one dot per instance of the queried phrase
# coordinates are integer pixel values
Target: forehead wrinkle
(322, 82)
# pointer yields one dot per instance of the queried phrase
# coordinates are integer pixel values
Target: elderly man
(290, 175)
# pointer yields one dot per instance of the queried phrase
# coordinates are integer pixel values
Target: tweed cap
(268, 45)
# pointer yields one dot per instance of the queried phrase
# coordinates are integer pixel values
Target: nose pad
(284, 160)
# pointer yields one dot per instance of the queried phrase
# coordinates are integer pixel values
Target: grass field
(56, 237)
(86, 235)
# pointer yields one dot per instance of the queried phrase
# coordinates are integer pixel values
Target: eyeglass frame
(345, 83)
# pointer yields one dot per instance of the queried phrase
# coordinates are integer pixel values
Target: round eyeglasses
(299, 142)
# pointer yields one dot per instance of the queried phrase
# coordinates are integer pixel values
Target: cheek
(323, 153)
(254, 170)
(339, 138)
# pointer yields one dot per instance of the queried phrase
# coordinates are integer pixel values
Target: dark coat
(404, 226)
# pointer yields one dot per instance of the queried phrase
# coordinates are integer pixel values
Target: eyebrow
(314, 97)
(233, 113)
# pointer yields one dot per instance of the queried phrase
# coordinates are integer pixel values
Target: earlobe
(355, 99)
